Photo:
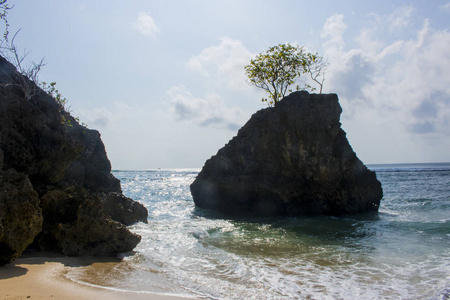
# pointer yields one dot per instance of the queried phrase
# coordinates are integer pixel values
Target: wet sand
(45, 278)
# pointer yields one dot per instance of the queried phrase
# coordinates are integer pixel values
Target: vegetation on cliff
(281, 66)
(57, 192)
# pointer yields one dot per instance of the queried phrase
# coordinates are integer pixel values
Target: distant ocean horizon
(369, 166)
(401, 252)
(426, 165)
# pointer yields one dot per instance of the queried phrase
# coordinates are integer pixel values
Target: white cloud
(399, 22)
(403, 81)
(446, 7)
(146, 25)
(333, 30)
(367, 40)
(221, 71)
(207, 111)
(401, 17)
(349, 70)
(99, 118)
(226, 61)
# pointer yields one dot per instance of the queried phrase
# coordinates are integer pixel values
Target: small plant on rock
(280, 67)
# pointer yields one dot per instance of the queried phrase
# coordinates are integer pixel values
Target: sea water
(402, 252)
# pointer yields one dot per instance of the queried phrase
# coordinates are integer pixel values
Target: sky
(164, 81)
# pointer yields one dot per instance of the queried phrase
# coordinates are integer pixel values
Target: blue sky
(163, 81)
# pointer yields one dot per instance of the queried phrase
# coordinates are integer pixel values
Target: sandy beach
(45, 278)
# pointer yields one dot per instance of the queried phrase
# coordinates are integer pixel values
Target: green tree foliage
(281, 66)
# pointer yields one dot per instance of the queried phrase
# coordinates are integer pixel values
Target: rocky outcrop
(123, 209)
(76, 224)
(20, 214)
(91, 169)
(293, 159)
(62, 178)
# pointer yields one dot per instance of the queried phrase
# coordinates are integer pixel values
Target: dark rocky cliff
(56, 187)
(293, 159)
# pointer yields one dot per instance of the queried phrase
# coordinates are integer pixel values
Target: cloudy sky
(164, 82)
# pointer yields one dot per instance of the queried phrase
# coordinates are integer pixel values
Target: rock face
(20, 214)
(290, 160)
(123, 209)
(76, 224)
(56, 186)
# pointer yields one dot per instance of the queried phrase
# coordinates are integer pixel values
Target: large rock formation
(56, 186)
(292, 159)
(20, 214)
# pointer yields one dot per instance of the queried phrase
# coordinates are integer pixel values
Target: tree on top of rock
(281, 66)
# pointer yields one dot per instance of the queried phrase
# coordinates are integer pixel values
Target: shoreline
(45, 277)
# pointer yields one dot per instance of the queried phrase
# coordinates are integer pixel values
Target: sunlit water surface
(403, 252)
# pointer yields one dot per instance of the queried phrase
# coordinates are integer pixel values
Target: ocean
(402, 252)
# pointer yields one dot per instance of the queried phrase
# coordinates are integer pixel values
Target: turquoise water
(403, 252)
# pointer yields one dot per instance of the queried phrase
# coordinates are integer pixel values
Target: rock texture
(20, 214)
(56, 186)
(77, 224)
(293, 159)
(123, 209)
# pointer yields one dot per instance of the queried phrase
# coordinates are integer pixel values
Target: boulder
(20, 215)
(1, 160)
(123, 209)
(91, 169)
(75, 224)
(95, 233)
(289, 160)
(68, 175)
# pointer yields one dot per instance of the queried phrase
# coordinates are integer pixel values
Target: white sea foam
(403, 253)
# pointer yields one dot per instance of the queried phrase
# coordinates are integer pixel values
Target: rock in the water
(292, 159)
(20, 215)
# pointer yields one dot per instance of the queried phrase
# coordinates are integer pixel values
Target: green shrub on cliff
(50, 88)
(281, 66)
(28, 81)
(52, 91)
